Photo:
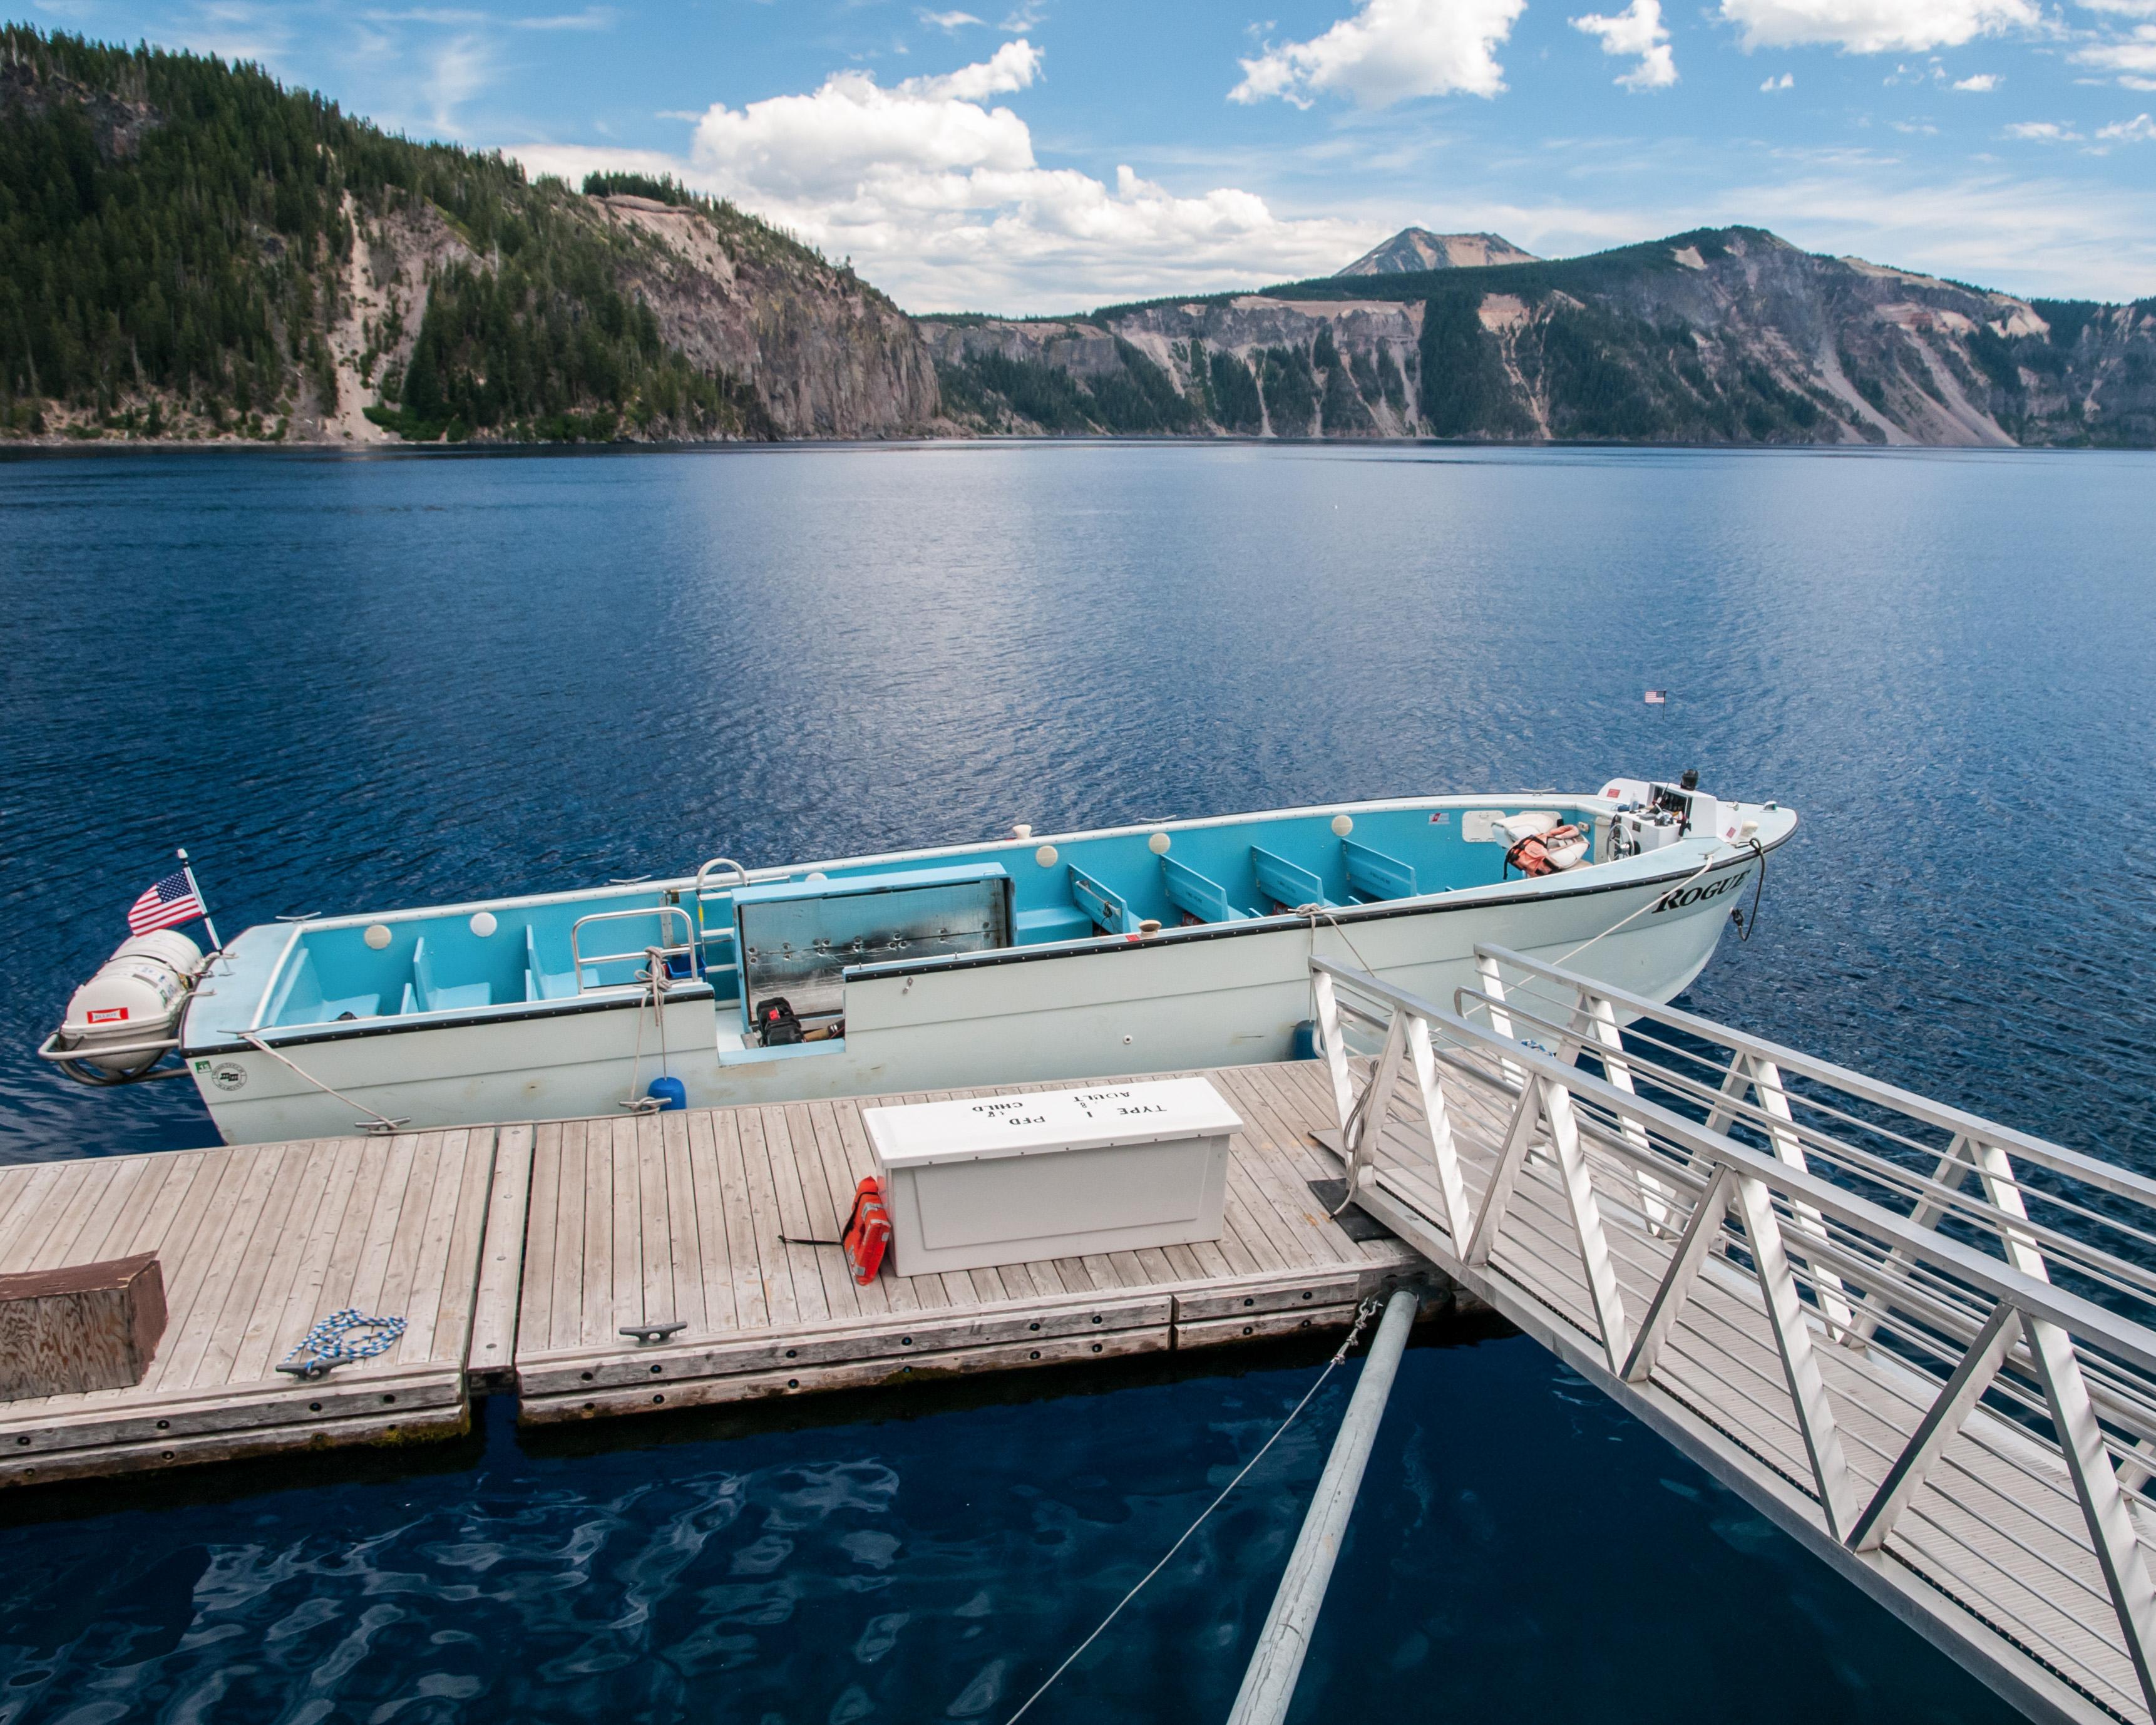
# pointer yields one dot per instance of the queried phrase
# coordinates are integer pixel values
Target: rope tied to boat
(376, 1125)
(1363, 1313)
(1712, 863)
(652, 976)
(328, 1345)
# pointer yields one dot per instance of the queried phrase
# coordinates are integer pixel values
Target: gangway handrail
(687, 948)
(2134, 1341)
(2109, 1176)
(1957, 1413)
(1933, 1196)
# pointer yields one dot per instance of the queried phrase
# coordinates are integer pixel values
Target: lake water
(347, 683)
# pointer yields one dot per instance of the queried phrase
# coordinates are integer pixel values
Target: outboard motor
(119, 1023)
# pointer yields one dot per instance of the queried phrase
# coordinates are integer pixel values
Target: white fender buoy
(483, 924)
(377, 935)
(1158, 843)
(1045, 857)
(1342, 825)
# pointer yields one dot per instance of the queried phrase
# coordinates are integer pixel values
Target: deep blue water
(345, 683)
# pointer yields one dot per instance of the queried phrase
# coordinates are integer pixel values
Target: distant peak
(1415, 248)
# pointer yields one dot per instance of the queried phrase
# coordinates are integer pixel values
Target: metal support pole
(1268, 1684)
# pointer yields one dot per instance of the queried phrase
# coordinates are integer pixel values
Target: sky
(1071, 153)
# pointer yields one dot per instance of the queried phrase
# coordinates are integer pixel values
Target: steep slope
(1414, 250)
(1725, 336)
(187, 250)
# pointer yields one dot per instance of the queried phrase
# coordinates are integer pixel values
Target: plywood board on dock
(256, 1243)
(715, 1219)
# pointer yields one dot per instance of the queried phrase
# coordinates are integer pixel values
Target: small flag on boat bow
(1658, 697)
(168, 904)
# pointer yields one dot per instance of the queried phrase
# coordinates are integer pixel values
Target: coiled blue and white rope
(326, 1346)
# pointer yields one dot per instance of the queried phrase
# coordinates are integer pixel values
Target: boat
(1161, 947)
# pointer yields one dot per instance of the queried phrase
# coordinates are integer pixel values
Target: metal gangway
(1919, 1342)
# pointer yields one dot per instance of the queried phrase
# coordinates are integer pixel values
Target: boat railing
(1966, 1378)
(593, 962)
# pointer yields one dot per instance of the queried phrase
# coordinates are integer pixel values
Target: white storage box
(1055, 1174)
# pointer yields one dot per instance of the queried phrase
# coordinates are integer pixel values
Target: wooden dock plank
(684, 1253)
(568, 1304)
(765, 1222)
(714, 1266)
(509, 1233)
(752, 1299)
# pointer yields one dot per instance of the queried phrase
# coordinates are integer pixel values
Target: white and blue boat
(1149, 948)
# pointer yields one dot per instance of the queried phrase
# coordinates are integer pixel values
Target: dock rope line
(1363, 1314)
(652, 976)
(326, 1347)
(1711, 863)
(376, 1124)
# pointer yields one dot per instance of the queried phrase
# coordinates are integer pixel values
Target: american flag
(168, 904)
(1658, 697)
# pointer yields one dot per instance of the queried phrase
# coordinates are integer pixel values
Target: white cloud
(1388, 51)
(1875, 26)
(2139, 130)
(951, 21)
(1784, 82)
(1636, 30)
(2128, 55)
(1981, 83)
(937, 197)
(1012, 67)
(457, 71)
(2043, 131)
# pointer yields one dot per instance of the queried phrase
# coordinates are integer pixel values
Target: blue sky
(1065, 154)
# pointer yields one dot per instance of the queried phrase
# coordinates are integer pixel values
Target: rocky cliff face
(815, 351)
(827, 355)
(1729, 335)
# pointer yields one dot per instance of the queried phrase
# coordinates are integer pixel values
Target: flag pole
(187, 869)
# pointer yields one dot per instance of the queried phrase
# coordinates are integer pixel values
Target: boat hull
(1183, 999)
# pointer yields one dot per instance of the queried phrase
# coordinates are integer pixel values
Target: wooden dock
(516, 1256)
(256, 1243)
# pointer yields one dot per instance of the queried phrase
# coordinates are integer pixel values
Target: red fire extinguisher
(868, 1231)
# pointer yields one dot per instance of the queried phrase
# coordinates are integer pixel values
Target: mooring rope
(1363, 1313)
(382, 1122)
(653, 978)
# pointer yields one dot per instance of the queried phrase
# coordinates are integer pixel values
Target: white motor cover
(136, 996)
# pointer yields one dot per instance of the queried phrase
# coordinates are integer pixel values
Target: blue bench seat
(1056, 923)
(1197, 895)
(1284, 883)
(1372, 874)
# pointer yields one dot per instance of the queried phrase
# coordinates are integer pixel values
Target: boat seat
(1374, 874)
(1057, 922)
(1197, 895)
(1284, 883)
(432, 999)
(541, 983)
(1103, 907)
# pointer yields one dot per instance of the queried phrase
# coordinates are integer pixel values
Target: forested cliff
(190, 252)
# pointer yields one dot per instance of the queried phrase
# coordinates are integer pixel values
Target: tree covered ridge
(175, 238)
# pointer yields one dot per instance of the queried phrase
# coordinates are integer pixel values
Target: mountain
(1719, 336)
(189, 251)
(1412, 250)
